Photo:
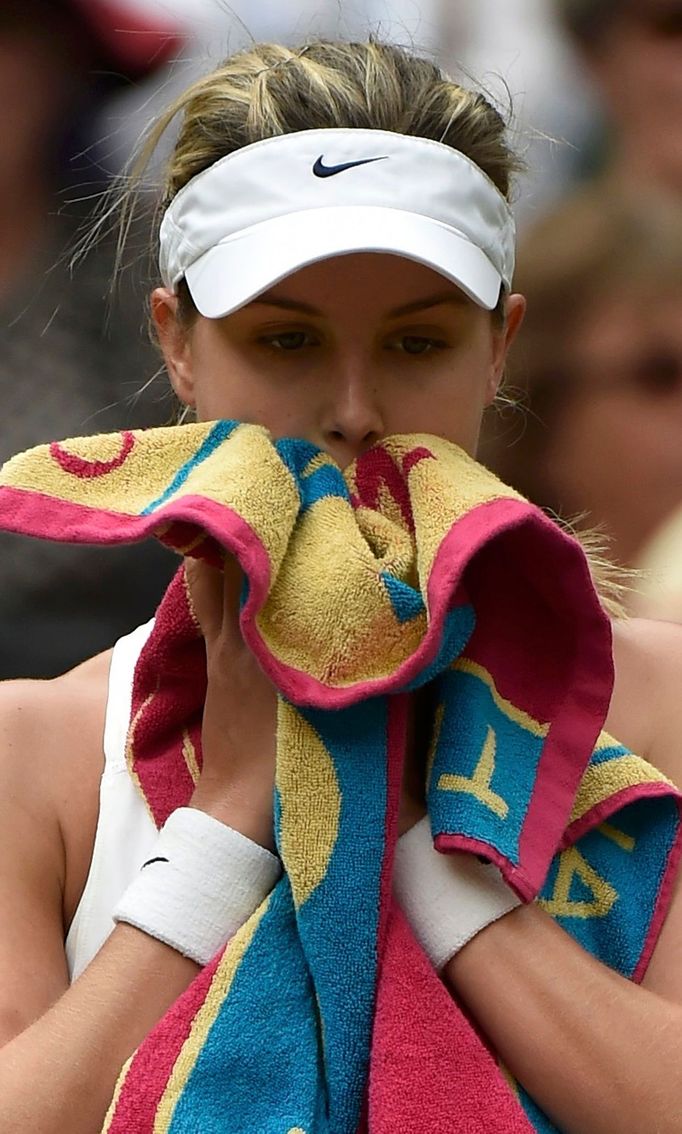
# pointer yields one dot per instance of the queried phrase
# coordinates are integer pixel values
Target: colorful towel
(414, 568)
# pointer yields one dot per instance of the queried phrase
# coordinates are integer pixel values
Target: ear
(503, 337)
(174, 340)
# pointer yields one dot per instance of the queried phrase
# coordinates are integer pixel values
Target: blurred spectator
(598, 364)
(68, 364)
(632, 50)
(599, 360)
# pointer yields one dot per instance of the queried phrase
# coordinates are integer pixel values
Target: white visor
(261, 213)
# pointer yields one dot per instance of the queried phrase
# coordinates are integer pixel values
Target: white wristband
(447, 898)
(203, 881)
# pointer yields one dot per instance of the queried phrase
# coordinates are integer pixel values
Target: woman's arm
(50, 764)
(64, 1046)
(59, 1074)
(596, 1052)
(61, 1048)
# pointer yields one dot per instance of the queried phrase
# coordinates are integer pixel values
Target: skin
(331, 377)
(344, 377)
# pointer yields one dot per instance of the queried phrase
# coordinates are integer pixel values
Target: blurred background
(595, 91)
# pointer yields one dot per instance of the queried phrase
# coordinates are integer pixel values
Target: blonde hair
(271, 89)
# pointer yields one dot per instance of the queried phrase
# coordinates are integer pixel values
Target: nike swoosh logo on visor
(322, 170)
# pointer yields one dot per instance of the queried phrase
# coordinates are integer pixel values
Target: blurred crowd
(597, 371)
(591, 425)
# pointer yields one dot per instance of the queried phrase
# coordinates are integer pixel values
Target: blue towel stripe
(220, 432)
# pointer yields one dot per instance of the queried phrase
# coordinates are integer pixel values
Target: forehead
(389, 280)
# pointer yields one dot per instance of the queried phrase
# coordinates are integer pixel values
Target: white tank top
(125, 832)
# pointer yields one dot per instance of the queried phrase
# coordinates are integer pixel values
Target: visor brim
(246, 264)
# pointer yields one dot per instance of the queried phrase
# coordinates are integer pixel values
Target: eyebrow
(452, 298)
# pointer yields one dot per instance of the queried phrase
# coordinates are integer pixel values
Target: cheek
(476, 389)
(452, 408)
(223, 384)
(233, 388)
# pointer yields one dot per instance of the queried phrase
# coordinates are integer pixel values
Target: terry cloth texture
(414, 568)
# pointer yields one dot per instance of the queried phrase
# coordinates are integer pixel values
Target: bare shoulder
(26, 704)
(646, 709)
(47, 725)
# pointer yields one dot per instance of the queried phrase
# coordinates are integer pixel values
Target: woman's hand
(239, 727)
(238, 733)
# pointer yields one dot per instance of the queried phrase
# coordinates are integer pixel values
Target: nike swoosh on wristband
(322, 170)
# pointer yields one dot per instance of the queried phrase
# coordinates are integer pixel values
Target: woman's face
(616, 453)
(639, 70)
(343, 353)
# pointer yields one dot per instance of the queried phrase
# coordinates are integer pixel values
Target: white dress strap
(125, 830)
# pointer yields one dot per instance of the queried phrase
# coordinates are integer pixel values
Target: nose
(353, 417)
